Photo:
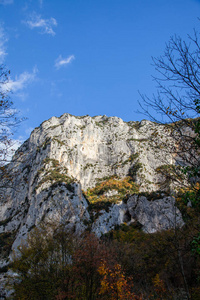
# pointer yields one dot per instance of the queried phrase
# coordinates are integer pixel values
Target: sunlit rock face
(92, 148)
(69, 154)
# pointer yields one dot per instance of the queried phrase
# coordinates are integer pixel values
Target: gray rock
(108, 220)
(160, 214)
(67, 154)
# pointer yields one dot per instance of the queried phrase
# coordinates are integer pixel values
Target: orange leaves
(112, 184)
(122, 186)
(118, 188)
(115, 284)
(86, 261)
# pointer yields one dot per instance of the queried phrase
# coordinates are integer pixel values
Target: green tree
(43, 263)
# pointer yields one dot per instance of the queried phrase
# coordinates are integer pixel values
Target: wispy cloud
(3, 40)
(41, 3)
(46, 25)
(20, 82)
(22, 95)
(6, 2)
(63, 61)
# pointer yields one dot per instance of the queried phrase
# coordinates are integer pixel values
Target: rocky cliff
(86, 171)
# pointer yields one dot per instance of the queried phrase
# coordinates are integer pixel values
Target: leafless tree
(176, 104)
(176, 108)
(9, 120)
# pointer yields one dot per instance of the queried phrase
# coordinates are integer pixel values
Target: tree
(44, 263)
(114, 284)
(178, 81)
(9, 121)
(85, 278)
(8, 116)
(45, 273)
(177, 102)
(176, 108)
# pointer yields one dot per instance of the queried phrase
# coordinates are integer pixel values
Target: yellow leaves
(190, 189)
(114, 283)
(159, 286)
(157, 281)
(122, 186)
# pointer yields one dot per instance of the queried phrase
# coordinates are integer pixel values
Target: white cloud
(5, 2)
(63, 61)
(44, 24)
(20, 82)
(3, 40)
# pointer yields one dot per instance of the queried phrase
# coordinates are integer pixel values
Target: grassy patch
(137, 140)
(46, 143)
(54, 126)
(97, 198)
(131, 158)
(88, 166)
(134, 169)
(59, 142)
(56, 173)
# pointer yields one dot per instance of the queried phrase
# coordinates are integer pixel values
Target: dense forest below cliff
(126, 263)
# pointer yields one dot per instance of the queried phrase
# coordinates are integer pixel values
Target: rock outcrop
(69, 154)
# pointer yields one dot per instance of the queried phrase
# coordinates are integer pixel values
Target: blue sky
(86, 56)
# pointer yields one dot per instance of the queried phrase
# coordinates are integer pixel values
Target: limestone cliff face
(69, 154)
(92, 148)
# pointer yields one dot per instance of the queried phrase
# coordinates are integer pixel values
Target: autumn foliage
(125, 264)
(121, 188)
(114, 284)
